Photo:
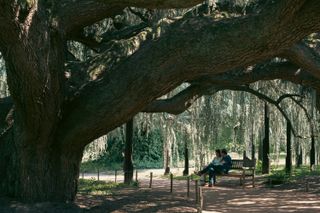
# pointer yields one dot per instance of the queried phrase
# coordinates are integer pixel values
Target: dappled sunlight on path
(223, 199)
(227, 196)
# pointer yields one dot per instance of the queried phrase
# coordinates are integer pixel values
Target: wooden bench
(241, 169)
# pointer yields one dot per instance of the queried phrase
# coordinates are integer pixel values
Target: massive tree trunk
(38, 172)
(35, 165)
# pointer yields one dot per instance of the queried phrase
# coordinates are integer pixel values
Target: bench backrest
(249, 163)
(239, 164)
(236, 164)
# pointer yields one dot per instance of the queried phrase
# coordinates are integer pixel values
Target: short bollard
(171, 182)
(82, 175)
(196, 191)
(150, 184)
(200, 204)
(136, 175)
(98, 174)
(307, 185)
(188, 186)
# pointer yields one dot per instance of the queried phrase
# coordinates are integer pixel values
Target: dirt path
(228, 196)
(286, 198)
(144, 199)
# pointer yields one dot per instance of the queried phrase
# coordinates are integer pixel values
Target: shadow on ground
(227, 196)
(289, 197)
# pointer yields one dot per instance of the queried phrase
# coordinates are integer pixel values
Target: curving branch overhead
(305, 57)
(77, 15)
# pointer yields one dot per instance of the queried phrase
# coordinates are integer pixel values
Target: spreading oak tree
(46, 125)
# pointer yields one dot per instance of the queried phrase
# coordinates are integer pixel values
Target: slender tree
(266, 143)
(186, 160)
(128, 165)
(289, 149)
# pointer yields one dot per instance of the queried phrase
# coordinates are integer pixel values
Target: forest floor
(227, 196)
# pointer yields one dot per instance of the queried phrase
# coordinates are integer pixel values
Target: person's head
(218, 153)
(224, 152)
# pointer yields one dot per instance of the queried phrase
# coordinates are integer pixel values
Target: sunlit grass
(280, 176)
(96, 187)
(182, 177)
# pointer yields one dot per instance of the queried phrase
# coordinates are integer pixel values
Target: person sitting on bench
(218, 158)
(213, 169)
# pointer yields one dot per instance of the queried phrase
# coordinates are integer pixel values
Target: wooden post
(171, 182)
(196, 191)
(150, 184)
(115, 175)
(136, 175)
(98, 174)
(307, 185)
(82, 175)
(188, 186)
(200, 204)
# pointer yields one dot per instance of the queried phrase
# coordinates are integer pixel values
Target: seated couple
(220, 164)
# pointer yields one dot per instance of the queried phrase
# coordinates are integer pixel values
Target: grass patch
(93, 166)
(280, 176)
(95, 187)
(181, 177)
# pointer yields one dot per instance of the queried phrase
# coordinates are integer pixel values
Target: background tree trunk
(312, 153)
(167, 162)
(266, 145)
(128, 165)
(186, 160)
(289, 149)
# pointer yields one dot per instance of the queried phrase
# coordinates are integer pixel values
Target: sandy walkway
(228, 196)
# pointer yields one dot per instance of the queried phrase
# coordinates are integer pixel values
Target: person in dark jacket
(212, 170)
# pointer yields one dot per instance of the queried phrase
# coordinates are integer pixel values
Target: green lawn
(100, 187)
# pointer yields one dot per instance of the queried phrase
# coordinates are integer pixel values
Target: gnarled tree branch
(76, 15)
(264, 97)
(265, 71)
(180, 102)
(206, 47)
(305, 57)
